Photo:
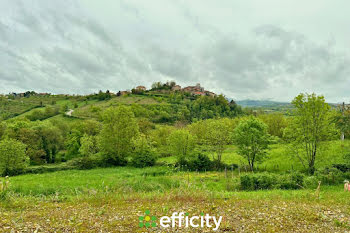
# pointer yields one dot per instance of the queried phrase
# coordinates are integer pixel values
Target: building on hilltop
(141, 88)
(122, 93)
(198, 93)
(176, 88)
(193, 89)
(209, 93)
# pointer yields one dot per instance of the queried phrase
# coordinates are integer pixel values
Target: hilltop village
(167, 87)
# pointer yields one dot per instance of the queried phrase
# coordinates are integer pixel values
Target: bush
(291, 181)
(331, 176)
(258, 181)
(87, 162)
(341, 167)
(143, 153)
(60, 157)
(261, 181)
(143, 160)
(328, 176)
(114, 161)
(82, 163)
(311, 182)
(200, 162)
(247, 182)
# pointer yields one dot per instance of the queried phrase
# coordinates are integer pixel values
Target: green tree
(33, 140)
(77, 131)
(218, 136)
(13, 159)
(43, 140)
(143, 153)
(159, 137)
(88, 145)
(276, 123)
(252, 139)
(311, 125)
(181, 144)
(342, 121)
(119, 128)
(52, 140)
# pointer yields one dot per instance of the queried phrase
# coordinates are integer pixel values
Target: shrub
(258, 181)
(114, 161)
(261, 181)
(85, 163)
(247, 182)
(331, 176)
(201, 162)
(341, 167)
(143, 160)
(265, 181)
(60, 157)
(291, 181)
(311, 182)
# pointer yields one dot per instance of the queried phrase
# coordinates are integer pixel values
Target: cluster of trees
(312, 123)
(162, 86)
(100, 96)
(125, 134)
(48, 112)
(181, 109)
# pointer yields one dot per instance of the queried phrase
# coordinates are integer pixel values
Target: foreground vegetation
(112, 199)
(97, 162)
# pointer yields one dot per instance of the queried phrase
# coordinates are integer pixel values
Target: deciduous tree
(252, 140)
(119, 128)
(13, 159)
(181, 143)
(311, 125)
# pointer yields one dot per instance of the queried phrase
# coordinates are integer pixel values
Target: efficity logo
(147, 220)
(179, 220)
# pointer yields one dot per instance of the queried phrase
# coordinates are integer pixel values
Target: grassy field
(112, 199)
(280, 159)
(11, 108)
(92, 109)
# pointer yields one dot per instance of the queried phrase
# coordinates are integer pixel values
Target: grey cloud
(62, 46)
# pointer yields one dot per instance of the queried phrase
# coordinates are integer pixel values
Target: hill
(161, 104)
(261, 103)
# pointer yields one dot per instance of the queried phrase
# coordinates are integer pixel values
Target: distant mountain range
(261, 103)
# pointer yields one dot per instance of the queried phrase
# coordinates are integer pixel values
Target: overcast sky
(245, 49)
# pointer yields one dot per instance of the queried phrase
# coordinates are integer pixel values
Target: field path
(69, 113)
